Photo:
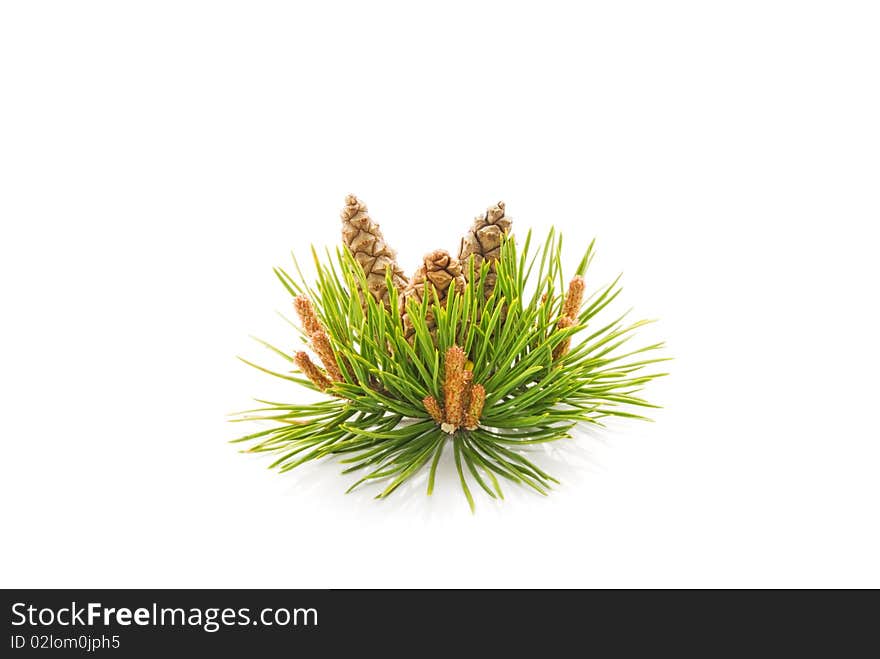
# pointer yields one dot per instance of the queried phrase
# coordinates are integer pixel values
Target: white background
(157, 159)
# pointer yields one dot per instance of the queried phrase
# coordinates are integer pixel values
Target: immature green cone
(483, 241)
(365, 241)
(439, 271)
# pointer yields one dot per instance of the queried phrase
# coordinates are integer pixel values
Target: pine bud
(563, 346)
(475, 407)
(365, 241)
(575, 297)
(307, 316)
(433, 408)
(312, 372)
(455, 386)
(455, 361)
(321, 344)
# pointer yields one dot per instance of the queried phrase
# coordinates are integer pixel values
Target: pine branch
(492, 353)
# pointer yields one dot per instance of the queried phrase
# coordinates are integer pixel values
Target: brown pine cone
(365, 241)
(483, 241)
(439, 271)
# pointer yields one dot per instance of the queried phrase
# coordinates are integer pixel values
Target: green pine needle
(375, 421)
